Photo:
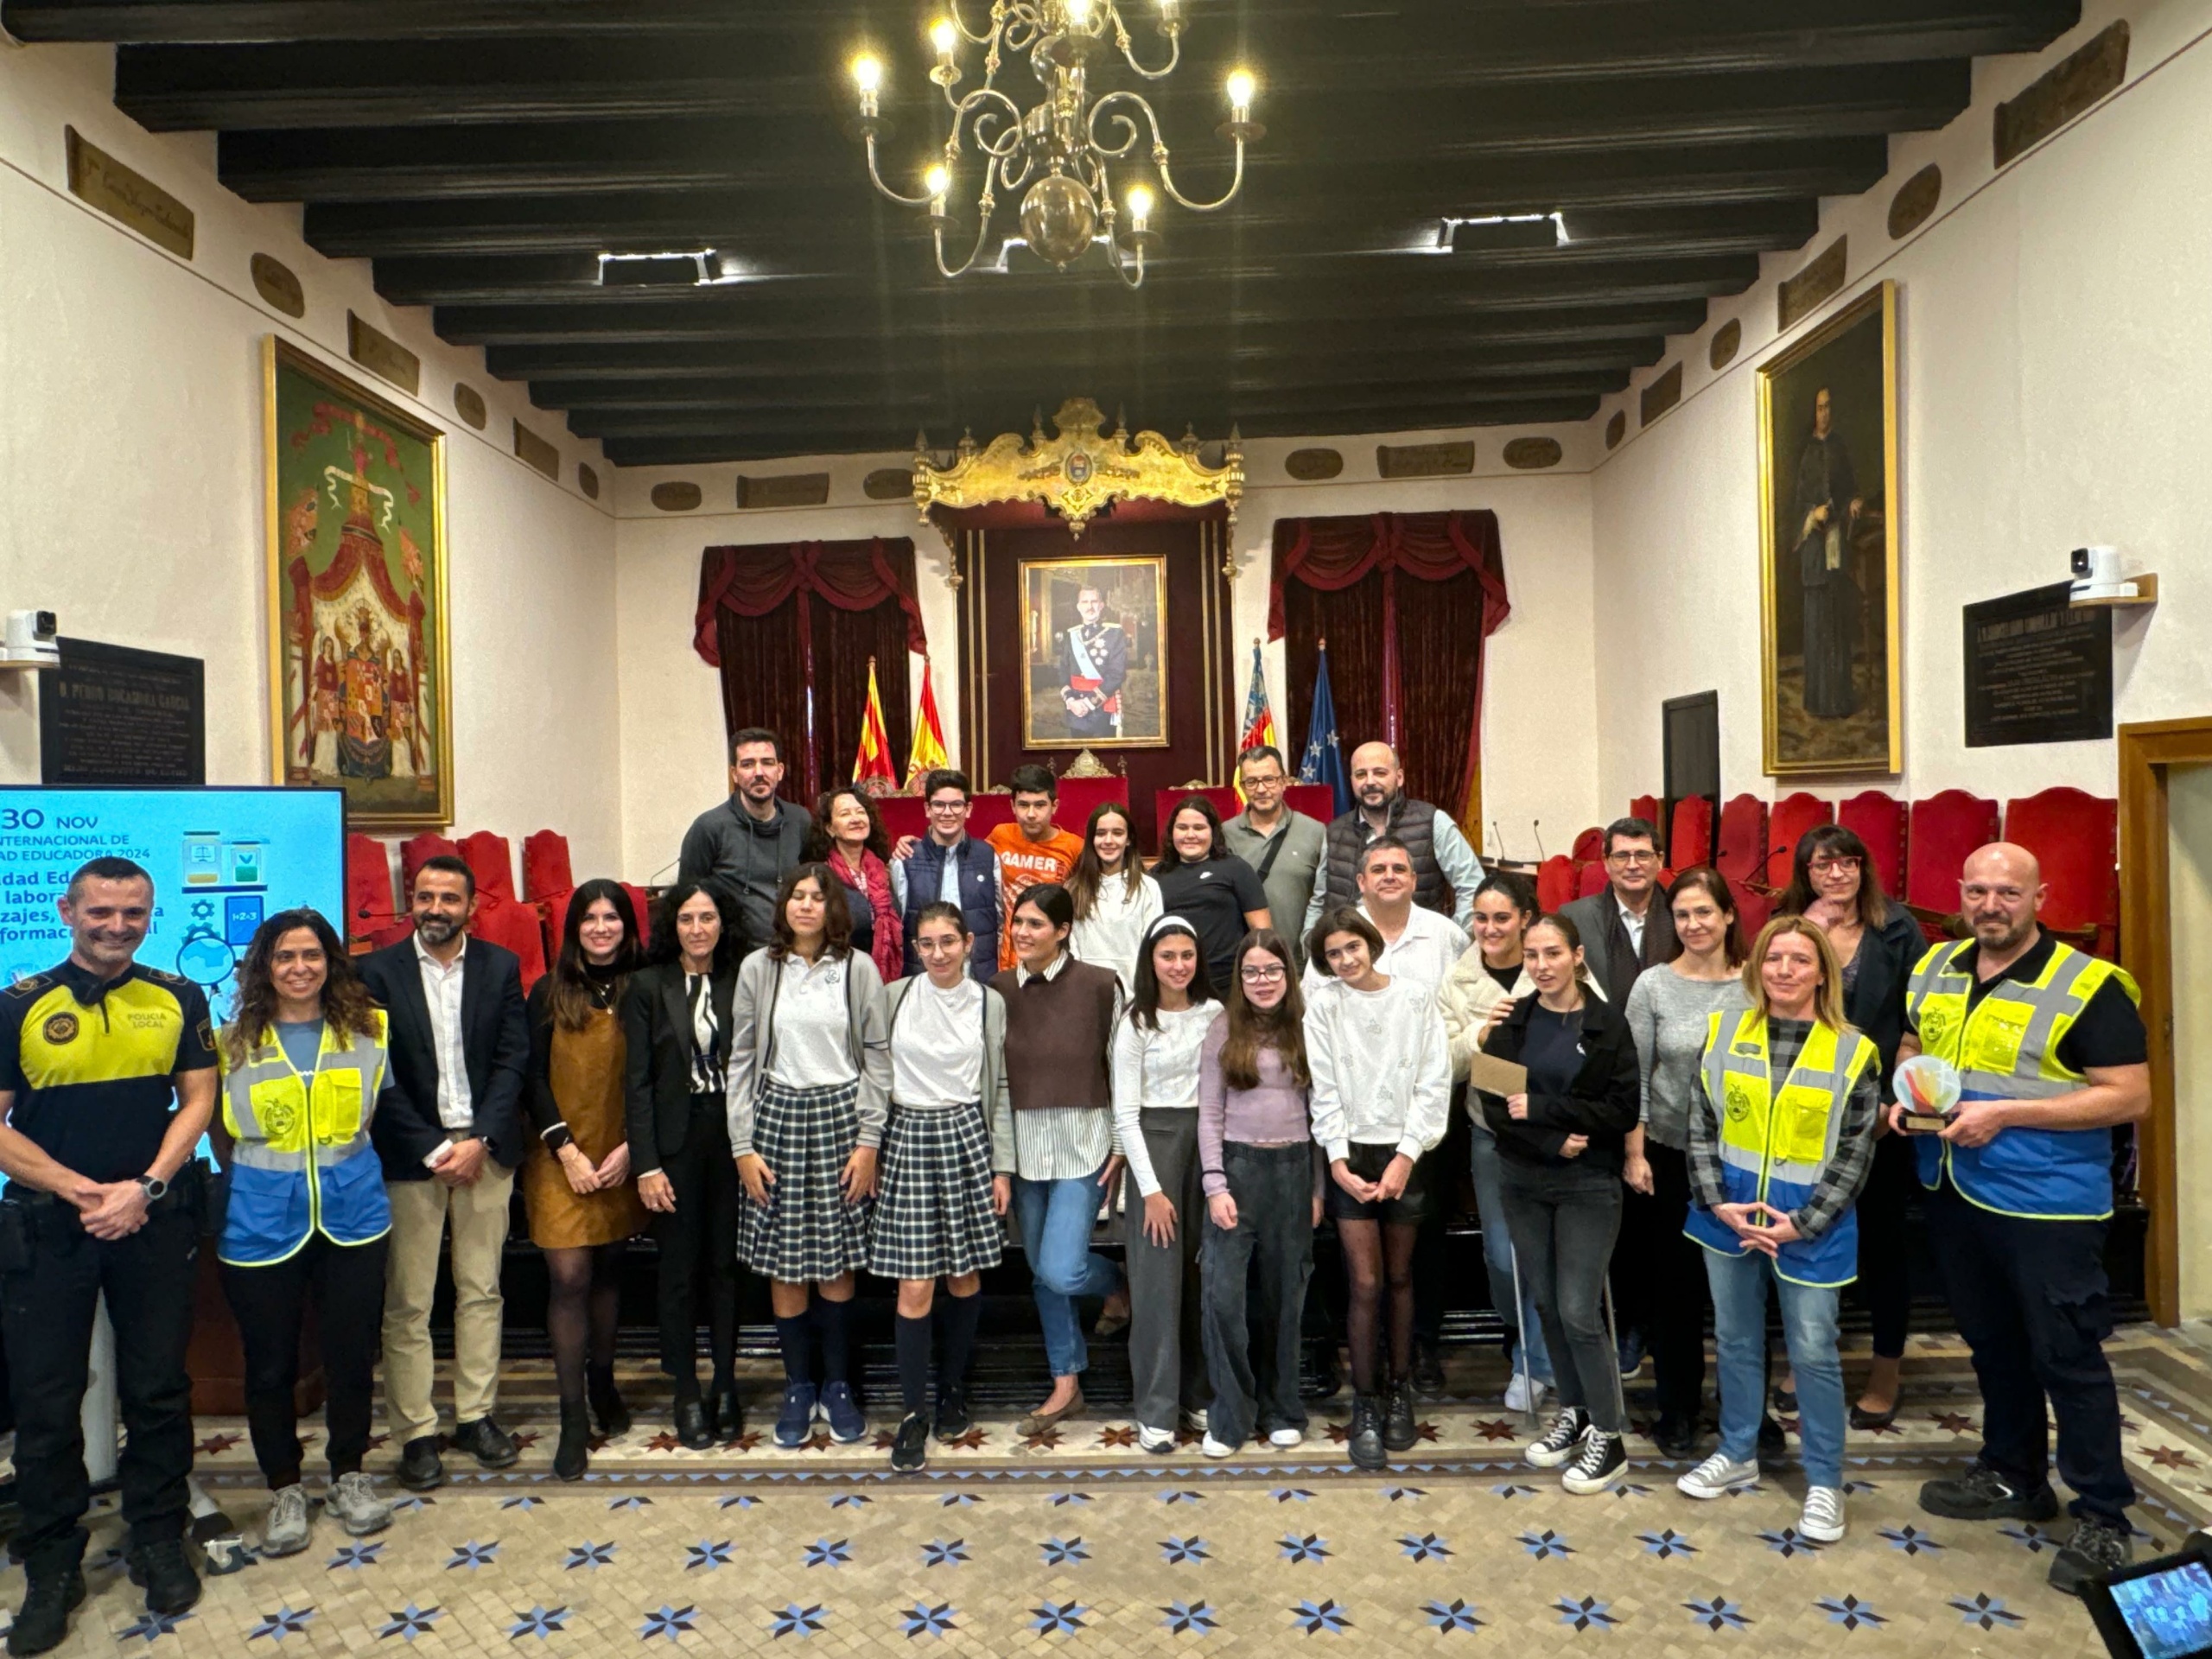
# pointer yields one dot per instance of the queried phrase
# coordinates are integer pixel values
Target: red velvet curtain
(1396, 657)
(800, 668)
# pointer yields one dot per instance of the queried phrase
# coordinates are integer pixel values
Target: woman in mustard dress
(584, 1208)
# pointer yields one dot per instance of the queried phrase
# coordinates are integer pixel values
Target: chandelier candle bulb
(1241, 88)
(867, 75)
(1140, 200)
(945, 38)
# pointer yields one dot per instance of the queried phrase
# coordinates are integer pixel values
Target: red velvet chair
(1590, 879)
(1647, 808)
(1555, 883)
(1690, 837)
(986, 812)
(643, 905)
(369, 902)
(1317, 801)
(1743, 839)
(2076, 838)
(517, 927)
(1879, 819)
(1754, 910)
(545, 869)
(1080, 797)
(491, 858)
(1944, 830)
(1589, 847)
(417, 851)
(1793, 815)
(903, 814)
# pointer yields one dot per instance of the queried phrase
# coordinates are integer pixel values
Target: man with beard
(2052, 1057)
(92, 1054)
(747, 844)
(449, 1135)
(1445, 871)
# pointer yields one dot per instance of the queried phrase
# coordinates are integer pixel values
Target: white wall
(132, 472)
(1540, 679)
(2056, 338)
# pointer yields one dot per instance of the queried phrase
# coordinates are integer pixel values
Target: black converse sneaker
(1599, 1465)
(1557, 1446)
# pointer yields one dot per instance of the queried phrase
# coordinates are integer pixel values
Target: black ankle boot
(724, 1417)
(573, 1456)
(606, 1400)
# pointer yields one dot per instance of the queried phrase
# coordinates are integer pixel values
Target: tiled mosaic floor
(1087, 1544)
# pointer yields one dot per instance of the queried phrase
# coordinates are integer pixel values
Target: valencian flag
(872, 765)
(1324, 761)
(927, 754)
(1259, 718)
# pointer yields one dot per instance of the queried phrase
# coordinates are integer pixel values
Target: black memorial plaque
(113, 716)
(2038, 670)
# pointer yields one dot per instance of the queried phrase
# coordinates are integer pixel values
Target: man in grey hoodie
(747, 844)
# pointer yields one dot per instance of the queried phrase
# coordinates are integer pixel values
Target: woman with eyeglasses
(1833, 884)
(1264, 1200)
(1156, 1048)
(1116, 902)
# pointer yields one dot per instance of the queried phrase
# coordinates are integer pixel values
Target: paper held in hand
(1926, 1088)
(1496, 1077)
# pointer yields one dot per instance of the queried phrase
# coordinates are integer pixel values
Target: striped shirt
(1062, 1143)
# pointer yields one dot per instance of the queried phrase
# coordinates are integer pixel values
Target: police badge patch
(59, 1028)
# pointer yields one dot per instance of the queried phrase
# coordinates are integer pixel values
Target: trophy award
(1926, 1088)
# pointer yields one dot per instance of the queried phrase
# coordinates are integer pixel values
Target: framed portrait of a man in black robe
(1090, 638)
(1829, 545)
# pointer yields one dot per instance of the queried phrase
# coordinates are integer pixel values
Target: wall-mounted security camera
(2096, 574)
(31, 637)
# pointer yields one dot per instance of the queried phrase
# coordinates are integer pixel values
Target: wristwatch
(154, 1185)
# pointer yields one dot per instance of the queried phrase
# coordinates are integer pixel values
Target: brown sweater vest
(1059, 1034)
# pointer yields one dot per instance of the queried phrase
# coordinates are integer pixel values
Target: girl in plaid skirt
(810, 1075)
(947, 1163)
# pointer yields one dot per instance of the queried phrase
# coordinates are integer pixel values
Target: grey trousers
(1254, 1276)
(1166, 1352)
(1564, 1219)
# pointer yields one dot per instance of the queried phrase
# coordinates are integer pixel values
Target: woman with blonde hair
(1781, 1136)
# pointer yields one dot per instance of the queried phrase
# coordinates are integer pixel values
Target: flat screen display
(2168, 1613)
(221, 860)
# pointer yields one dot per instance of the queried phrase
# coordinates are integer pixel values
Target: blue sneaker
(795, 1423)
(847, 1424)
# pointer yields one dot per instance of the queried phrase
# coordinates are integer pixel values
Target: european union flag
(1324, 761)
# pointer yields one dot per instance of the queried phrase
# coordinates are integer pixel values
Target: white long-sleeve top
(1159, 1069)
(1382, 1072)
(1112, 935)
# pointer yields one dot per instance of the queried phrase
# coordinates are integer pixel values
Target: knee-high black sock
(833, 1323)
(914, 1363)
(960, 1314)
(795, 1336)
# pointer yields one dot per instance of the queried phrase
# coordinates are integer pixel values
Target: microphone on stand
(1500, 834)
(1536, 828)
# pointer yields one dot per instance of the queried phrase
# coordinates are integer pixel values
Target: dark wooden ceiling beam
(244, 23)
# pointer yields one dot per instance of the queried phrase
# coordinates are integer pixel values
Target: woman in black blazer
(1833, 882)
(675, 1019)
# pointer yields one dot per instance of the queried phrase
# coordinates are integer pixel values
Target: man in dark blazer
(449, 1135)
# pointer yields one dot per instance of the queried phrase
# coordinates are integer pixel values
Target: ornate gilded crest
(1081, 470)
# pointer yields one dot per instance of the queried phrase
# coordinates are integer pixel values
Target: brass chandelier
(1062, 155)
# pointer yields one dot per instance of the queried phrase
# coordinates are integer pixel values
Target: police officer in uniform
(2053, 1056)
(107, 1081)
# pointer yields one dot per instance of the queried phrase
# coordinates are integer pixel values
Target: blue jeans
(1809, 1324)
(1056, 1219)
(1497, 1256)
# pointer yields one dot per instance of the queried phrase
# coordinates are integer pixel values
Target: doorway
(2165, 873)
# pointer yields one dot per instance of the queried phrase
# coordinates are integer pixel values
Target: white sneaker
(354, 1503)
(1524, 1393)
(1196, 1420)
(1214, 1448)
(1283, 1439)
(1155, 1440)
(285, 1532)
(1559, 1443)
(1717, 1477)
(1823, 1519)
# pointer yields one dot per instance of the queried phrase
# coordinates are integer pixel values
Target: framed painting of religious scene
(1092, 643)
(359, 683)
(1829, 545)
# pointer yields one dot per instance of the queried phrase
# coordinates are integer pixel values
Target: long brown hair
(1088, 875)
(1703, 877)
(837, 913)
(1249, 1029)
(1827, 1002)
(345, 1002)
(1835, 842)
(575, 991)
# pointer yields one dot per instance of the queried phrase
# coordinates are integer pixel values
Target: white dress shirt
(1634, 923)
(1158, 1069)
(441, 989)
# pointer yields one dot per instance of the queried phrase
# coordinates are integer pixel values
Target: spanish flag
(872, 765)
(927, 754)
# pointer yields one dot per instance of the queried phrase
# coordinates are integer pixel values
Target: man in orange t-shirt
(1032, 848)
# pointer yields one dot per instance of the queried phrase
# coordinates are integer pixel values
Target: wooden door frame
(2146, 749)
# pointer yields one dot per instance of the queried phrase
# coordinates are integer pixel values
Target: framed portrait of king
(1091, 642)
(1828, 524)
(360, 693)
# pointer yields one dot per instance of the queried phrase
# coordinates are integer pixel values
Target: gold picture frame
(1094, 682)
(360, 688)
(1831, 679)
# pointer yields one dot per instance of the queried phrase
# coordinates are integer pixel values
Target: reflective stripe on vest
(303, 1162)
(2006, 1048)
(1775, 1144)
